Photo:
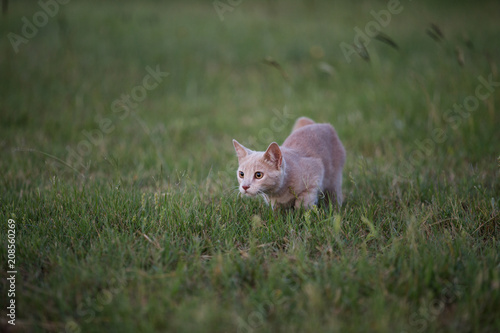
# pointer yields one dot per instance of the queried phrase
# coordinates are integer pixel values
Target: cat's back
(315, 140)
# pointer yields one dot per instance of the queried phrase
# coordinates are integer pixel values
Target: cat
(309, 163)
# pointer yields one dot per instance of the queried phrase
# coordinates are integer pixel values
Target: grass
(144, 230)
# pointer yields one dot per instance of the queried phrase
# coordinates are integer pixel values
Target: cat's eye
(259, 175)
(241, 174)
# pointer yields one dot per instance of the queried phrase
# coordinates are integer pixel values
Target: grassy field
(118, 173)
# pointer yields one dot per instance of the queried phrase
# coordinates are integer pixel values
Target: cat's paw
(307, 200)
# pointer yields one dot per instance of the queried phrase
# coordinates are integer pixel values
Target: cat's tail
(301, 122)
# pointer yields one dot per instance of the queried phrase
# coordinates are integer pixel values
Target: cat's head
(259, 172)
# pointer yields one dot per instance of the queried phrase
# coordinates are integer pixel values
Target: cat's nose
(245, 187)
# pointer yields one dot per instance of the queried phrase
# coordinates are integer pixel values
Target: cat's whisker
(264, 196)
(232, 191)
(236, 191)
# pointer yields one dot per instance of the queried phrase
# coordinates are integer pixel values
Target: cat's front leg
(277, 204)
(307, 199)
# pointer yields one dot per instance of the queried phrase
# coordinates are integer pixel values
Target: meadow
(118, 174)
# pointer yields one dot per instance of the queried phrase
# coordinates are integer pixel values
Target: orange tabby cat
(309, 162)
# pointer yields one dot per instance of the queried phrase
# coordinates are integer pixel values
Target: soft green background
(146, 232)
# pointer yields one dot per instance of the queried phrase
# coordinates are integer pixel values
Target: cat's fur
(309, 162)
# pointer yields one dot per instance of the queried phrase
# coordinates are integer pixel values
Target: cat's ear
(273, 155)
(241, 151)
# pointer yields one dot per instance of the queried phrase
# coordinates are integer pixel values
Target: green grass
(146, 232)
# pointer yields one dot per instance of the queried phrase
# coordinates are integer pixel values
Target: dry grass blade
(273, 63)
(326, 68)
(460, 56)
(387, 40)
(437, 30)
(362, 51)
(435, 33)
(152, 241)
(468, 42)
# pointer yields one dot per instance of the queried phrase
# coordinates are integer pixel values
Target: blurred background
(384, 73)
(116, 163)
